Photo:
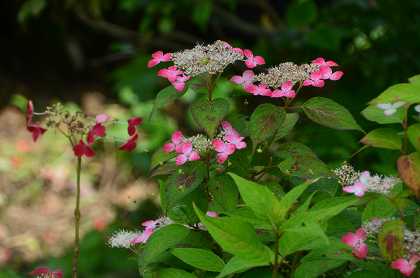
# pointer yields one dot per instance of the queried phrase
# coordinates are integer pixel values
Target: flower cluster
(189, 149)
(359, 183)
(78, 128)
(211, 59)
(45, 272)
(390, 108)
(279, 81)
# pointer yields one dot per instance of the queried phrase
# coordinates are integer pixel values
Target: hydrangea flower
(406, 267)
(223, 149)
(286, 90)
(187, 153)
(321, 62)
(82, 149)
(35, 129)
(131, 143)
(133, 123)
(245, 79)
(98, 130)
(251, 60)
(159, 57)
(357, 242)
(258, 90)
(390, 108)
(176, 142)
(358, 188)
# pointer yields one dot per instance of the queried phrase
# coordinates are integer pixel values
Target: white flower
(123, 239)
(390, 108)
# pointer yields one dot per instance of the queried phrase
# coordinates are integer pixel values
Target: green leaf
(407, 92)
(174, 273)
(199, 258)
(409, 170)
(260, 199)
(380, 207)
(328, 113)
(391, 240)
(301, 13)
(386, 138)
(238, 264)
(265, 121)
(290, 198)
(414, 135)
(159, 157)
(31, 8)
(161, 241)
(414, 79)
(287, 126)
(375, 114)
(306, 237)
(300, 161)
(236, 237)
(224, 193)
(164, 97)
(208, 114)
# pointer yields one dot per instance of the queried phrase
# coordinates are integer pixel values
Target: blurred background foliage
(85, 52)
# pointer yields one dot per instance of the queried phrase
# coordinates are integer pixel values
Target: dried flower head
(412, 241)
(72, 122)
(211, 59)
(288, 71)
(346, 174)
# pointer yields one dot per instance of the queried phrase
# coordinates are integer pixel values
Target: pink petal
(166, 57)
(240, 145)
(212, 214)
(250, 88)
(152, 62)
(277, 93)
(287, 86)
(248, 75)
(360, 251)
(221, 158)
(236, 79)
(179, 86)
(177, 137)
(218, 145)
(290, 94)
(318, 61)
(194, 156)
(259, 60)
(186, 147)
(331, 63)
(337, 75)
(157, 54)
(102, 118)
(229, 149)
(149, 224)
(361, 233)
(308, 82)
(248, 53)
(250, 63)
(350, 239)
(403, 266)
(181, 159)
(316, 75)
(169, 147)
(318, 83)
(238, 50)
(325, 72)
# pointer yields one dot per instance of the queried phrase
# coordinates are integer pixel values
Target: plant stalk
(276, 256)
(76, 253)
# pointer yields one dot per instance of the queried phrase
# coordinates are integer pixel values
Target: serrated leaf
(265, 121)
(260, 199)
(414, 135)
(391, 240)
(291, 197)
(407, 92)
(208, 114)
(375, 114)
(236, 237)
(199, 258)
(386, 138)
(380, 207)
(409, 170)
(163, 98)
(224, 194)
(328, 113)
(287, 126)
(159, 157)
(238, 264)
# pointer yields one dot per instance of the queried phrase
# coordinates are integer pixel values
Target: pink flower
(170, 73)
(176, 142)
(357, 242)
(224, 150)
(187, 153)
(46, 272)
(102, 118)
(236, 49)
(132, 125)
(232, 136)
(81, 149)
(228, 128)
(286, 90)
(321, 62)
(143, 237)
(358, 188)
(179, 83)
(327, 73)
(251, 60)
(406, 267)
(260, 90)
(245, 79)
(98, 130)
(131, 143)
(315, 80)
(158, 57)
(212, 214)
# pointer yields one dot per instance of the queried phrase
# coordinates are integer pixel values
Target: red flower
(82, 149)
(131, 143)
(35, 129)
(132, 124)
(46, 272)
(98, 130)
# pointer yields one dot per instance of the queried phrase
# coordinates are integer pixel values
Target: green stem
(405, 127)
(276, 256)
(77, 221)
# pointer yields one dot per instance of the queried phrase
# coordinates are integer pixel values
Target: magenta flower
(321, 62)
(357, 242)
(258, 90)
(327, 73)
(170, 73)
(98, 130)
(286, 90)
(245, 79)
(228, 128)
(158, 57)
(236, 140)
(81, 149)
(187, 153)
(212, 214)
(131, 143)
(251, 60)
(46, 272)
(176, 142)
(406, 267)
(132, 125)
(223, 149)
(358, 188)
(179, 83)
(315, 80)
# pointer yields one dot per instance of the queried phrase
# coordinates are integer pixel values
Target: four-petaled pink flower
(130, 144)
(132, 125)
(406, 267)
(321, 62)
(186, 153)
(286, 90)
(35, 129)
(223, 149)
(251, 60)
(235, 139)
(357, 242)
(179, 83)
(245, 79)
(171, 73)
(81, 149)
(327, 73)
(158, 57)
(177, 140)
(46, 272)
(258, 90)
(315, 80)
